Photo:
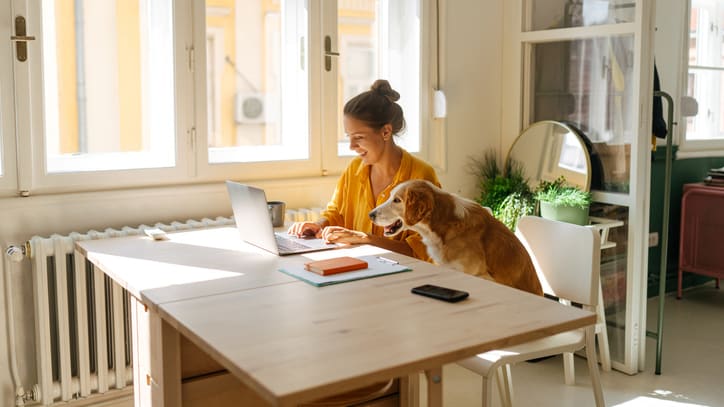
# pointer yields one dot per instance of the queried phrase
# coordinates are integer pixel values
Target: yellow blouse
(353, 199)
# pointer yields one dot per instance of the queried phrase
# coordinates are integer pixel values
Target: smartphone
(440, 293)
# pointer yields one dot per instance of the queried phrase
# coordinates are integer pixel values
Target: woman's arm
(398, 246)
(338, 234)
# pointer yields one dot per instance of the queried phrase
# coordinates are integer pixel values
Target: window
(258, 89)
(705, 80)
(172, 91)
(258, 80)
(108, 85)
(381, 45)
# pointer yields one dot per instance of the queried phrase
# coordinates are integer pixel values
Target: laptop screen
(251, 216)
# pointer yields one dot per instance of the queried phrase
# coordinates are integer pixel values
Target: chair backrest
(566, 257)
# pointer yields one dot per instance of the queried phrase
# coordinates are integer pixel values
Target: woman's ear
(386, 131)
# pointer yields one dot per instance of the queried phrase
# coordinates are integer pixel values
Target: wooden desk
(205, 292)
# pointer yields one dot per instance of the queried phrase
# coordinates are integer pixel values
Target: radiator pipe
(14, 255)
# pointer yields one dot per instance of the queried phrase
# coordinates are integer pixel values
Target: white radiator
(82, 318)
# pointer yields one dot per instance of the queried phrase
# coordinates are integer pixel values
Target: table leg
(410, 390)
(434, 387)
(171, 340)
(156, 357)
(137, 335)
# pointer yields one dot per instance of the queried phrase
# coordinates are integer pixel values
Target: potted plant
(563, 202)
(504, 190)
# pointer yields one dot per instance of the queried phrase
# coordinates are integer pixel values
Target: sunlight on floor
(644, 401)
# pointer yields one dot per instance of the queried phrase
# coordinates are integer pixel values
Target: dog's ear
(418, 204)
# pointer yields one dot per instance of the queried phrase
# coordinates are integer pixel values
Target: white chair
(567, 260)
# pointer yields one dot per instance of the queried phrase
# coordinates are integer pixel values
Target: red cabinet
(701, 247)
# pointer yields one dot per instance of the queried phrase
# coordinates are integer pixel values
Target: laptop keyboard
(285, 244)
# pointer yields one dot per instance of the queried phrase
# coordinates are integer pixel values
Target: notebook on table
(376, 266)
(252, 219)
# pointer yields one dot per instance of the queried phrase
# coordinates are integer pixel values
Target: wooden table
(204, 302)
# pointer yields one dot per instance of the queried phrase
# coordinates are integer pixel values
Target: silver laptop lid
(251, 216)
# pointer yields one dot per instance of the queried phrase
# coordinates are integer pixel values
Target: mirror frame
(571, 130)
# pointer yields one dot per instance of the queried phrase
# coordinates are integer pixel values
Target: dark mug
(276, 212)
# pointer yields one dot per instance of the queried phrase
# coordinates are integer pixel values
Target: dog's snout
(373, 214)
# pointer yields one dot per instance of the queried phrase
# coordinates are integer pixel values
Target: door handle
(21, 39)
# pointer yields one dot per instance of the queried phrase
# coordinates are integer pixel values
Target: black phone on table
(440, 293)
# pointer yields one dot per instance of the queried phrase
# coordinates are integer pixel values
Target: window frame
(33, 178)
(8, 165)
(191, 138)
(263, 169)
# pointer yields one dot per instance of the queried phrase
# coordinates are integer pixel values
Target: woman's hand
(338, 234)
(305, 229)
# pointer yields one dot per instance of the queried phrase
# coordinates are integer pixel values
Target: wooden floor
(692, 367)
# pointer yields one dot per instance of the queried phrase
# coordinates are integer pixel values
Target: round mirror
(547, 150)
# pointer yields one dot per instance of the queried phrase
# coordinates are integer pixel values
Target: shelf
(603, 225)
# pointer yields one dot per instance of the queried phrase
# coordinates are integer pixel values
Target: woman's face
(367, 142)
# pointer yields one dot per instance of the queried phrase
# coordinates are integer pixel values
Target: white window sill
(684, 154)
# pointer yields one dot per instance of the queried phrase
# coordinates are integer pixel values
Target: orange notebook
(335, 265)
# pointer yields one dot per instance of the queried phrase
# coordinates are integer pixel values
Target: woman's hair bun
(382, 87)
(376, 107)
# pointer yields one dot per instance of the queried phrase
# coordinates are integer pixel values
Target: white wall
(471, 78)
(472, 81)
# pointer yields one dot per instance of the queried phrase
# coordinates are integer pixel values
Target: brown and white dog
(458, 233)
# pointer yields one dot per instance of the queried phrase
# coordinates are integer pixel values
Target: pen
(386, 260)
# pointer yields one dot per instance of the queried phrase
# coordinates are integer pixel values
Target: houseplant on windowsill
(563, 202)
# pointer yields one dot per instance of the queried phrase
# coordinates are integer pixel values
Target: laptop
(252, 219)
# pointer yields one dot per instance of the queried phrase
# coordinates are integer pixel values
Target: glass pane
(707, 87)
(256, 63)
(613, 277)
(551, 14)
(706, 36)
(588, 83)
(380, 39)
(705, 81)
(108, 84)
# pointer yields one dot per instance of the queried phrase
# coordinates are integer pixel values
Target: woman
(371, 120)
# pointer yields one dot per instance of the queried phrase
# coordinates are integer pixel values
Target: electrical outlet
(653, 239)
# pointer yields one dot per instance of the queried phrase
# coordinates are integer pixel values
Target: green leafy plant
(558, 193)
(504, 190)
(513, 207)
